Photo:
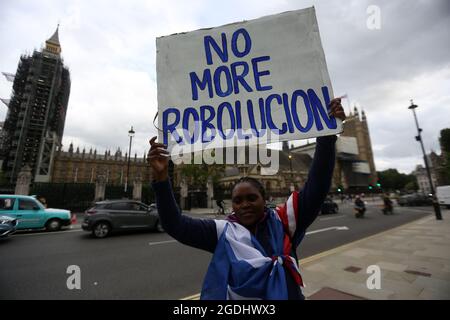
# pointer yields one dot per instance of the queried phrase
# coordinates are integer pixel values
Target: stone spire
(52, 45)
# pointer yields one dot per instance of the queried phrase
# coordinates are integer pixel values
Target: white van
(443, 195)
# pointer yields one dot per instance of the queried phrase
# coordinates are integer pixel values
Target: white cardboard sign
(259, 80)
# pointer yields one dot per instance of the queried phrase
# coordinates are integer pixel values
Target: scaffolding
(36, 114)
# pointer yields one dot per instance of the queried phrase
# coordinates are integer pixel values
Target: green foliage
(391, 179)
(412, 186)
(197, 174)
(445, 140)
(3, 179)
(445, 145)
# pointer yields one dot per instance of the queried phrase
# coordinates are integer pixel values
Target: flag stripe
(291, 215)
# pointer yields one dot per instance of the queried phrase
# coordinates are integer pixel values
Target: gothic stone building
(355, 167)
(84, 167)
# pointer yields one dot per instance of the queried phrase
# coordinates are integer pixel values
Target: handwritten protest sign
(260, 79)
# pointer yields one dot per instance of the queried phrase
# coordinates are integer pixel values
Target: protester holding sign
(257, 82)
(255, 247)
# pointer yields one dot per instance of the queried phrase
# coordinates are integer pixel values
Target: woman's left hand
(336, 109)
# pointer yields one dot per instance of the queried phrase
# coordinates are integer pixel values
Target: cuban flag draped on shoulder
(241, 269)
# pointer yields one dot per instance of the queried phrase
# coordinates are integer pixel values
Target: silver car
(8, 225)
(120, 215)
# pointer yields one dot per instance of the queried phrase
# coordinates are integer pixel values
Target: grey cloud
(379, 69)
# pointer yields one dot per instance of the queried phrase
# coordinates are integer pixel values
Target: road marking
(417, 210)
(161, 242)
(331, 218)
(193, 297)
(327, 229)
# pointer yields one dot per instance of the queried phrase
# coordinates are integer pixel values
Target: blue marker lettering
(240, 78)
(247, 40)
(196, 82)
(209, 41)
(187, 112)
(206, 123)
(258, 74)
(228, 106)
(251, 118)
(269, 114)
(217, 84)
(295, 95)
(170, 128)
(317, 108)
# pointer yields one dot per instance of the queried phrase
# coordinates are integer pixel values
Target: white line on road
(327, 229)
(331, 218)
(161, 242)
(412, 209)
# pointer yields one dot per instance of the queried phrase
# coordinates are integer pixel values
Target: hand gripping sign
(257, 81)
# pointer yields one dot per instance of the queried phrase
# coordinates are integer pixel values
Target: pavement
(410, 262)
(413, 261)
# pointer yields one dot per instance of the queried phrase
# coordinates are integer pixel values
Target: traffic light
(370, 187)
(378, 185)
(339, 189)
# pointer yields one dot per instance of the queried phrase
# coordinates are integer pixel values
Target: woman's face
(248, 204)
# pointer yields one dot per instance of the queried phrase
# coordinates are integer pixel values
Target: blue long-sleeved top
(202, 234)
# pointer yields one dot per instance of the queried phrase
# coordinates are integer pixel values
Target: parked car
(329, 207)
(414, 200)
(31, 214)
(120, 215)
(7, 226)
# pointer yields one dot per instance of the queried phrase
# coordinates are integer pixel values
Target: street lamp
(131, 135)
(437, 209)
(292, 174)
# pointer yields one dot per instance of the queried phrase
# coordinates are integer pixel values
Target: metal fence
(113, 192)
(7, 188)
(75, 197)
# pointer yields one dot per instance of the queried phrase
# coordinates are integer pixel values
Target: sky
(109, 47)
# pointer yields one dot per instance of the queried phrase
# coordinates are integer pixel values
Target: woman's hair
(255, 183)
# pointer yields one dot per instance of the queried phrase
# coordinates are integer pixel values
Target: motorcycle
(359, 211)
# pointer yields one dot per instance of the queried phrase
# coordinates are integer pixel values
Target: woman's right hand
(158, 158)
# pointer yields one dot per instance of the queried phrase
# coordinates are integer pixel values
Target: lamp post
(131, 135)
(292, 174)
(437, 209)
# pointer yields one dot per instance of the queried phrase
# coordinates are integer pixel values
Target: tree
(412, 186)
(444, 171)
(391, 179)
(445, 140)
(197, 174)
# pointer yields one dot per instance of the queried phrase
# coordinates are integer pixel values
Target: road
(149, 265)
